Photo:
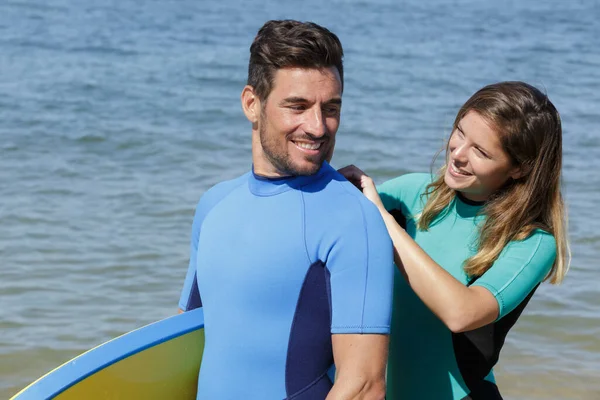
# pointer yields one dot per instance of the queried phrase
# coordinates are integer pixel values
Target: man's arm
(190, 294)
(360, 268)
(360, 362)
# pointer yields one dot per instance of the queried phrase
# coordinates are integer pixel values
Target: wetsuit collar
(264, 186)
(467, 208)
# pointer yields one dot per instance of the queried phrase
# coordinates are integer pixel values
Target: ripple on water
(91, 139)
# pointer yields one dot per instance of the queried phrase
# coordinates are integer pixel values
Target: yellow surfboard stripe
(168, 370)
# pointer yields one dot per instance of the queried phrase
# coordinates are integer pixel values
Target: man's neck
(267, 171)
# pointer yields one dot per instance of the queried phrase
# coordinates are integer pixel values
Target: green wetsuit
(423, 363)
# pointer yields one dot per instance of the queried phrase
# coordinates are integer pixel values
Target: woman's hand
(364, 182)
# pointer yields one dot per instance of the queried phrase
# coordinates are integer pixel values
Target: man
(292, 264)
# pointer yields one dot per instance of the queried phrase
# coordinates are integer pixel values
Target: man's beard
(282, 160)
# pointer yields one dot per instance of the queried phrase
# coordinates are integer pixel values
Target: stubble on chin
(281, 160)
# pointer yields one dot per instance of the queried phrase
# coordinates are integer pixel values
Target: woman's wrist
(390, 220)
(384, 213)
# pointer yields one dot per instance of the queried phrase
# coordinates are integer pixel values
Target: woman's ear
(516, 173)
(250, 104)
(520, 171)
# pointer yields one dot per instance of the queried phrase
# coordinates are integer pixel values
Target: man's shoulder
(339, 191)
(340, 201)
(219, 191)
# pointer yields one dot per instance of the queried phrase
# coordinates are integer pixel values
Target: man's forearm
(357, 388)
(360, 361)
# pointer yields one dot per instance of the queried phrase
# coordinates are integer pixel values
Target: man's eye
(297, 108)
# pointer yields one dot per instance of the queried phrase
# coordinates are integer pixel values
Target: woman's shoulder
(404, 190)
(538, 241)
(414, 181)
(537, 250)
(537, 238)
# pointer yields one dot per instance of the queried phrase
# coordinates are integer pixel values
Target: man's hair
(288, 44)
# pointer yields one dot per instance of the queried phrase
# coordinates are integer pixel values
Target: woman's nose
(460, 152)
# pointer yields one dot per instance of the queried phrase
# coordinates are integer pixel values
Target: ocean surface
(115, 117)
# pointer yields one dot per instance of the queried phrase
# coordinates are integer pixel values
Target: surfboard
(158, 361)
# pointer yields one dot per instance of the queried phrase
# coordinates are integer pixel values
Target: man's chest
(254, 247)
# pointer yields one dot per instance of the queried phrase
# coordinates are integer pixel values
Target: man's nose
(315, 123)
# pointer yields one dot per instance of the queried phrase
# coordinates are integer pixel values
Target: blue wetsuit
(279, 265)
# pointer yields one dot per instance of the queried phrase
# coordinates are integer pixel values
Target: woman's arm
(460, 308)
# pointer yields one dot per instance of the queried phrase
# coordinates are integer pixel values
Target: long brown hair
(530, 132)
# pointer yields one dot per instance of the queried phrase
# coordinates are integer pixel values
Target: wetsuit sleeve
(518, 270)
(190, 295)
(361, 274)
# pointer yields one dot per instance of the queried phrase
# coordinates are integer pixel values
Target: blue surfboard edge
(111, 352)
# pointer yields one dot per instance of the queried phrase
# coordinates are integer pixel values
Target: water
(117, 115)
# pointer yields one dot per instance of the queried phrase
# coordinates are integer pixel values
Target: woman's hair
(530, 132)
(288, 43)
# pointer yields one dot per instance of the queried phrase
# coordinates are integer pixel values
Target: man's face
(298, 121)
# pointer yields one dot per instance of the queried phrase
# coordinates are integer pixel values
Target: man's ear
(250, 104)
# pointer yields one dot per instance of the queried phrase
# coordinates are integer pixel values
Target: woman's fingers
(351, 172)
(358, 178)
(363, 182)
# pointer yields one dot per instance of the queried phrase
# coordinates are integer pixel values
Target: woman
(478, 240)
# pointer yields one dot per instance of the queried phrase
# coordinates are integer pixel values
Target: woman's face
(477, 165)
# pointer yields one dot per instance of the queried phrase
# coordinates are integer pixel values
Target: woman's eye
(481, 153)
(457, 134)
